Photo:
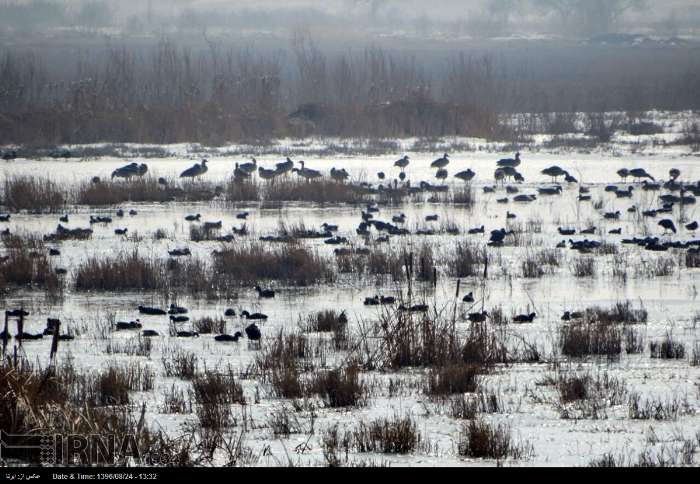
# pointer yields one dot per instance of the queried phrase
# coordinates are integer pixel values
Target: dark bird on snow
(668, 224)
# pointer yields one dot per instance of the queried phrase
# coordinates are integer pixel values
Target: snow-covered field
(530, 406)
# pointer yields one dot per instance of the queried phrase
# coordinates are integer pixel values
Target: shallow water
(670, 300)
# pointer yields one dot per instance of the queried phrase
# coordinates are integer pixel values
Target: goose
(284, 167)
(566, 231)
(469, 298)
(228, 338)
(475, 231)
(123, 325)
(502, 200)
(568, 316)
(441, 174)
(121, 231)
(54, 252)
(466, 175)
(195, 170)
(243, 230)
(162, 181)
(242, 215)
(193, 218)
(693, 226)
(554, 172)
(612, 215)
(387, 300)
(478, 317)
(525, 198)
(174, 309)
(498, 236)
(441, 162)
(674, 173)
(570, 179)
(518, 177)
(399, 219)
(648, 187)
(329, 228)
(625, 193)
(638, 173)
(431, 218)
(266, 174)
(490, 189)
(512, 190)
(120, 213)
(187, 334)
(510, 216)
(64, 219)
(402, 163)
(550, 190)
(615, 231)
(380, 175)
(525, 318)
(416, 308)
(212, 225)
(179, 319)
(509, 162)
(179, 252)
(229, 313)
(402, 176)
(151, 311)
(239, 173)
(339, 175)
(132, 169)
(249, 167)
(372, 301)
(668, 224)
(623, 173)
(253, 332)
(254, 316)
(307, 173)
(266, 293)
(149, 333)
(588, 231)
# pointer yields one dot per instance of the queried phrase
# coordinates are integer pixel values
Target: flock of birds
(506, 171)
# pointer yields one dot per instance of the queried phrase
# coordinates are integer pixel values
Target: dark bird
(510, 162)
(341, 175)
(668, 224)
(478, 317)
(179, 319)
(228, 338)
(469, 298)
(555, 172)
(174, 309)
(466, 175)
(441, 162)
(525, 318)
(623, 173)
(674, 173)
(249, 167)
(402, 163)
(229, 313)
(193, 218)
(568, 316)
(253, 332)
(151, 311)
(285, 166)
(693, 226)
(123, 325)
(254, 316)
(640, 173)
(196, 170)
(267, 293)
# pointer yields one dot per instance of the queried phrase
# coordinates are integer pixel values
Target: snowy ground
(529, 407)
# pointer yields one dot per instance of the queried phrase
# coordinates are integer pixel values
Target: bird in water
(668, 225)
(441, 162)
(195, 170)
(466, 175)
(509, 162)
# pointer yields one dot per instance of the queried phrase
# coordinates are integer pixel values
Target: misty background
(217, 71)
